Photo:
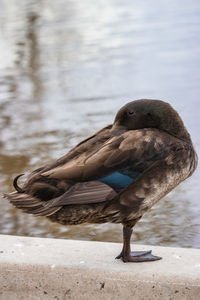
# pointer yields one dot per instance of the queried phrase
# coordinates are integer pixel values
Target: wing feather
(84, 193)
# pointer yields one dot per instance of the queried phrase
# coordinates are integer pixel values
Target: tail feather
(45, 212)
(31, 205)
(20, 190)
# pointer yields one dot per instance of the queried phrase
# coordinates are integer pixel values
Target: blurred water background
(66, 67)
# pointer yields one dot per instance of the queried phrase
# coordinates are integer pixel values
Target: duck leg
(137, 256)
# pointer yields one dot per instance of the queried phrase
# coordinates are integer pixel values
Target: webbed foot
(134, 253)
(138, 256)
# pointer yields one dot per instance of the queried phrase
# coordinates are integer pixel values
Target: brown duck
(115, 175)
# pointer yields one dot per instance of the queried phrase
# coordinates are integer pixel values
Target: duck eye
(131, 112)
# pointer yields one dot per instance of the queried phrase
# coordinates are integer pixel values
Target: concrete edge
(36, 268)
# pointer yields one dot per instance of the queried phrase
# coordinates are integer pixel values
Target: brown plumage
(115, 175)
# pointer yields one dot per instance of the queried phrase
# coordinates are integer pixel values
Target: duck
(115, 175)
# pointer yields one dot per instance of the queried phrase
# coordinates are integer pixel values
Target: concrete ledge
(35, 268)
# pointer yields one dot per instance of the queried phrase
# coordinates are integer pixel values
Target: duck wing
(130, 149)
(135, 148)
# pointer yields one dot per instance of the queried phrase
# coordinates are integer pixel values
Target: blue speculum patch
(119, 180)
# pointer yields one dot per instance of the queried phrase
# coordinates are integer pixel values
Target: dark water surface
(66, 67)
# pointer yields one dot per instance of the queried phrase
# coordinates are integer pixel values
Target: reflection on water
(66, 67)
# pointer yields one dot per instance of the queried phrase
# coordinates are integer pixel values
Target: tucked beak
(117, 126)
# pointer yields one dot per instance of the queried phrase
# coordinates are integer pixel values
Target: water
(66, 67)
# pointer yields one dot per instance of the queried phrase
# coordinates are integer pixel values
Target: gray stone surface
(35, 268)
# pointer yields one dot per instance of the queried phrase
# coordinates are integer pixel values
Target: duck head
(147, 113)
